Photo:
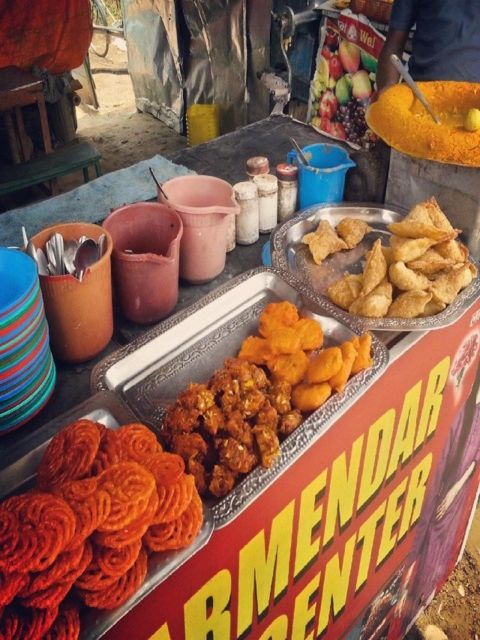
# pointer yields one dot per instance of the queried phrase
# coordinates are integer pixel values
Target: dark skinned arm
(386, 74)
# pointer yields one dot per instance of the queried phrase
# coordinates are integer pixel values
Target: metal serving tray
(20, 475)
(189, 347)
(290, 255)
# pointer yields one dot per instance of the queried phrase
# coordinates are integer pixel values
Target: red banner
(356, 536)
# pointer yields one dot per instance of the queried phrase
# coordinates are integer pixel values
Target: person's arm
(386, 73)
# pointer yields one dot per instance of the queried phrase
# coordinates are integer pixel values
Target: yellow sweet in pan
(400, 119)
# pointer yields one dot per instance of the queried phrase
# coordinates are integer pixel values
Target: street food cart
(366, 510)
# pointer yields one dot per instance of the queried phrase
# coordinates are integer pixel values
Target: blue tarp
(91, 202)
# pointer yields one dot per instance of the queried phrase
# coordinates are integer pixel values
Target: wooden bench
(73, 157)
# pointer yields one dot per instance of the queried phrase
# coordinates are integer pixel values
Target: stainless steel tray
(290, 255)
(20, 475)
(151, 371)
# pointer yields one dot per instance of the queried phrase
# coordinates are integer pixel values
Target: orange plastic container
(204, 204)
(79, 314)
(146, 248)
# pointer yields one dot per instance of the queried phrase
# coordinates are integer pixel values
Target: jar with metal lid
(247, 221)
(267, 186)
(256, 166)
(287, 175)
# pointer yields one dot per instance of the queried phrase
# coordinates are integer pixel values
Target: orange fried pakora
(327, 364)
(289, 368)
(285, 340)
(340, 379)
(363, 360)
(275, 315)
(256, 350)
(310, 333)
(308, 397)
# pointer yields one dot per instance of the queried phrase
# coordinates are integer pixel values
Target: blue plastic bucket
(324, 180)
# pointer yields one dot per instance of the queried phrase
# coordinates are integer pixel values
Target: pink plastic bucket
(146, 246)
(204, 204)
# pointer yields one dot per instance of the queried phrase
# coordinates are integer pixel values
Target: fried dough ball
(310, 334)
(340, 379)
(238, 428)
(289, 422)
(308, 397)
(189, 445)
(289, 368)
(364, 360)
(277, 314)
(327, 364)
(268, 444)
(279, 396)
(222, 481)
(198, 471)
(256, 350)
(213, 420)
(267, 415)
(236, 456)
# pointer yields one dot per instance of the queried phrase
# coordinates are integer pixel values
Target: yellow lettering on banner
(366, 533)
(303, 613)
(277, 630)
(433, 401)
(206, 613)
(415, 495)
(342, 490)
(309, 517)
(392, 516)
(335, 585)
(257, 569)
(376, 456)
(161, 634)
(406, 429)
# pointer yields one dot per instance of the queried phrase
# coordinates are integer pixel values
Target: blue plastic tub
(324, 180)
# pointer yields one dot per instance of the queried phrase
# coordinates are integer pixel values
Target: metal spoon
(58, 246)
(397, 63)
(101, 245)
(157, 183)
(69, 252)
(86, 255)
(300, 153)
(42, 263)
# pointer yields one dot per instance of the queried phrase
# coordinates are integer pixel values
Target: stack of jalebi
(104, 499)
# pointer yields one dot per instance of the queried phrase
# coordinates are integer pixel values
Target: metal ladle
(86, 255)
(397, 63)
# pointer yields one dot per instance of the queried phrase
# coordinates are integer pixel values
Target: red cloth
(53, 34)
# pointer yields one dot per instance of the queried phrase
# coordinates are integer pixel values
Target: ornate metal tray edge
(442, 319)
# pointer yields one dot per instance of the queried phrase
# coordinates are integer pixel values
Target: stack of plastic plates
(27, 371)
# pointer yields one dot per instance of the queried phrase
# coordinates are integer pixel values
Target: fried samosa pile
(421, 272)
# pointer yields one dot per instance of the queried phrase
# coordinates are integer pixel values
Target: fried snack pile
(286, 348)
(236, 421)
(225, 428)
(103, 500)
(419, 274)
(325, 240)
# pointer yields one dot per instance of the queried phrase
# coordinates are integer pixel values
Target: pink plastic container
(204, 204)
(146, 246)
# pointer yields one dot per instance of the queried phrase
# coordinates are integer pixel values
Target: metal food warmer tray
(150, 372)
(290, 255)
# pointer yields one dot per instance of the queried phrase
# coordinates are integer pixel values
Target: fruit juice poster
(344, 79)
